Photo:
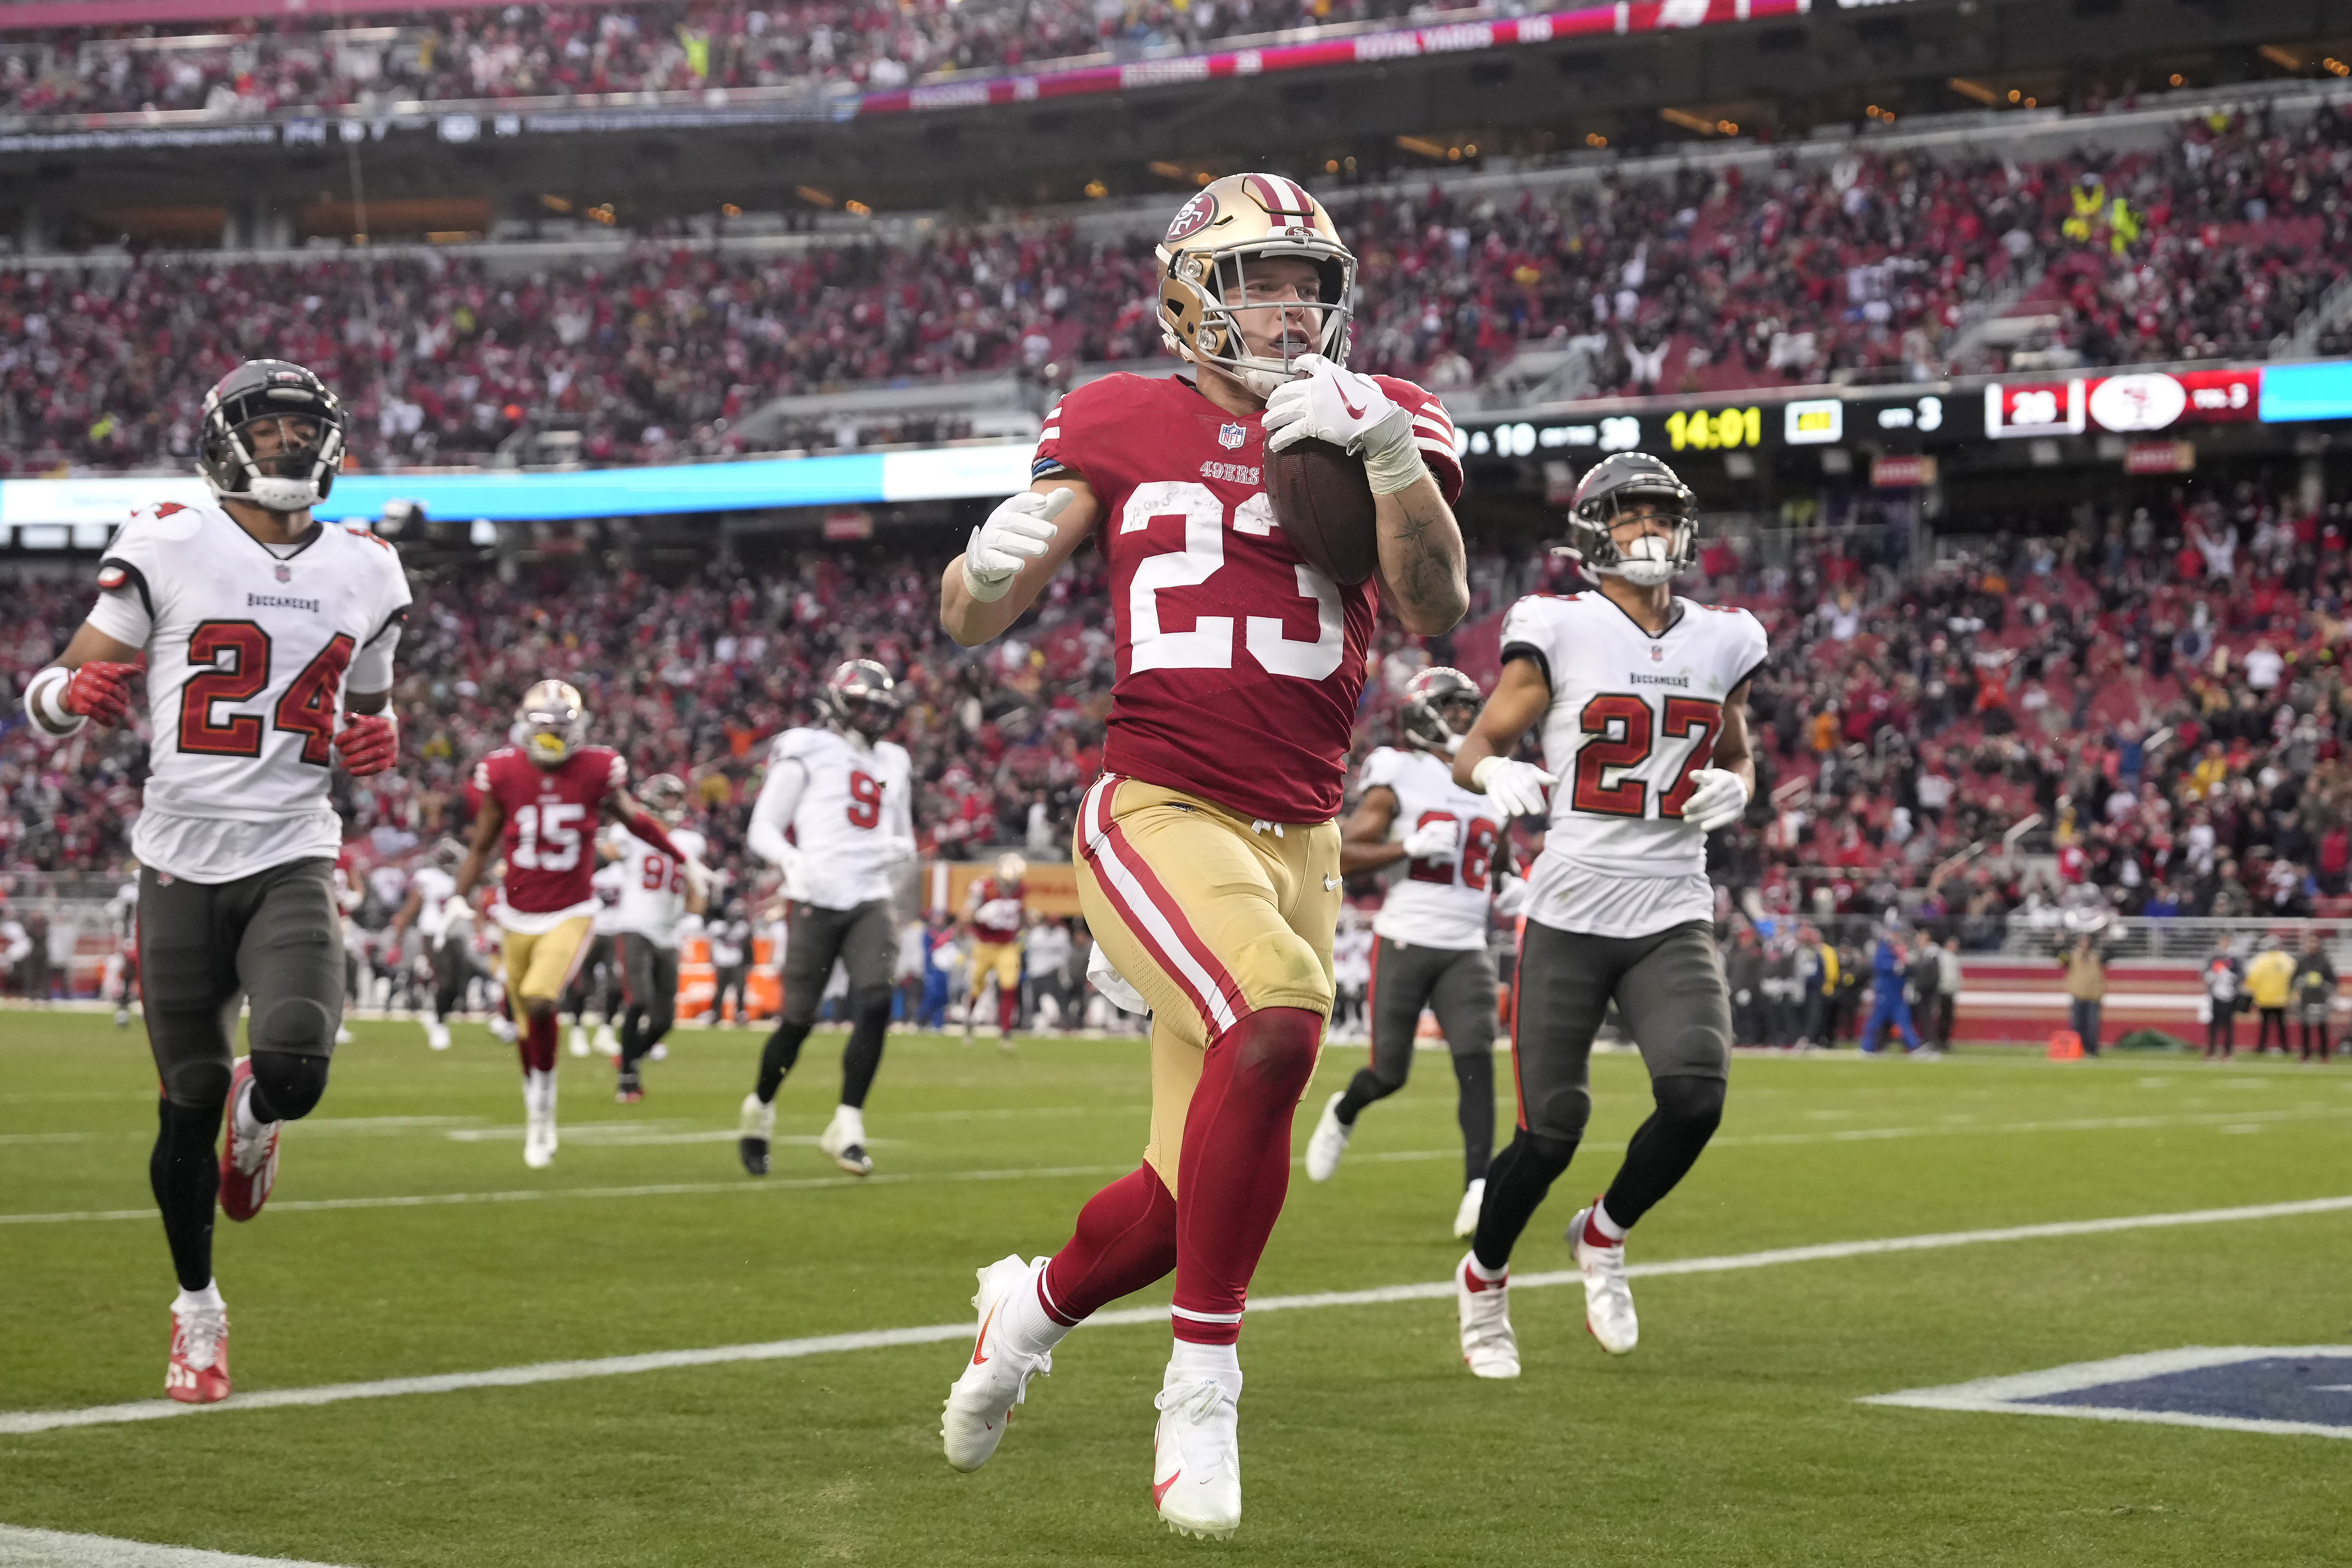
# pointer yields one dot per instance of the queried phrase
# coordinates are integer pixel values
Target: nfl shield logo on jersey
(1230, 437)
(286, 573)
(1657, 654)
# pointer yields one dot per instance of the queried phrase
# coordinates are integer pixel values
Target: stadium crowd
(1879, 266)
(251, 65)
(2162, 690)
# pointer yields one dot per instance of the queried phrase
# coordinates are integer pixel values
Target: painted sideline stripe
(2006, 1395)
(22, 1422)
(22, 1548)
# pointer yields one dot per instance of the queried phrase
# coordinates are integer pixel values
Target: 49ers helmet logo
(1192, 217)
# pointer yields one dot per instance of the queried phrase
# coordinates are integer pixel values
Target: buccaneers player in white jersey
(1208, 859)
(1449, 868)
(269, 639)
(1642, 700)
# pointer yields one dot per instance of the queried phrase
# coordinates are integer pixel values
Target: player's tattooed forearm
(1431, 577)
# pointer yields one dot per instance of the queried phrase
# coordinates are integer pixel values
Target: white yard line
(24, 1422)
(57, 1549)
(2006, 1395)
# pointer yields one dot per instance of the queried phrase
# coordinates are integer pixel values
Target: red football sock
(1236, 1167)
(1126, 1240)
(536, 1042)
(1008, 1009)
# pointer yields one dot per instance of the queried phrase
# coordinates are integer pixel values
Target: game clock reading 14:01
(1714, 429)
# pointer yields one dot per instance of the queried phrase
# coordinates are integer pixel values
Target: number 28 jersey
(1632, 716)
(1440, 901)
(249, 653)
(1239, 665)
(550, 832)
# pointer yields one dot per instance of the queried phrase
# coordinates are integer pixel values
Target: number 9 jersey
(1632, 716)
(550, 832)
(1239, 665)
(251, 651)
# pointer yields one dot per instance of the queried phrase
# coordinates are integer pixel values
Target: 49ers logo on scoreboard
(2145, 400)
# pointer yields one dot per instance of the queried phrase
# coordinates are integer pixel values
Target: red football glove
(370, 742)
(99, 691)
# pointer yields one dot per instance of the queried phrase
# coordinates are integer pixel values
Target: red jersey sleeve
(1433, 432)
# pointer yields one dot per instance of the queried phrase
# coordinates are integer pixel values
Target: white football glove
(1327, 403)
(1516, 789)
(456, 909)
(697, 877)
(789, 863)
(1511, 898)
(1106, 978)
(1018, 532)
(1432, 838)
(1718, 800)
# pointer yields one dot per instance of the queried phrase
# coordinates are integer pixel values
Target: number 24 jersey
(249, 653)
(1632, 716)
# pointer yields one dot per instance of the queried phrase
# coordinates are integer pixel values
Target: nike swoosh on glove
(1718, 800)
(368, 743)
(100, 690)
(1516, 789)
(1019, 530)
(1335, 405)
(1431, 839)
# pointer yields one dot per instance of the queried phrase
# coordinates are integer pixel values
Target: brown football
(1324, 503)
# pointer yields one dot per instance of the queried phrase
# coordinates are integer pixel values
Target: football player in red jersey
(545, 796)
(1208, 856)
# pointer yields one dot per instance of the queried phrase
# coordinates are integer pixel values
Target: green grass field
(1732, 1436)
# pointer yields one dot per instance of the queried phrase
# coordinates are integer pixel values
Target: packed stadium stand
(1720, 275)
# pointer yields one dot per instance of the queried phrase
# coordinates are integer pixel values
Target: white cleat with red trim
(1608, 1296)
(1328, 1141)
(1489, 1348)
(198, 1371)
(997, 1378)
(1196, 1462)
(250, 1158)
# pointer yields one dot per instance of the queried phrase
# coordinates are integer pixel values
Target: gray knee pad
(199, 1085)
(299, 1024)
(1694, 1104)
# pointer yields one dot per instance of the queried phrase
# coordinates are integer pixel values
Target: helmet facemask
(1650, 559)
(1440, 706)
(307, 420)
(551, 723)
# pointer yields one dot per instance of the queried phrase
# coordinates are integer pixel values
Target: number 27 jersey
(1632, 716)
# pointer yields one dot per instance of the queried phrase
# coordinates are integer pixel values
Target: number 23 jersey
(1239, 665)
(1632, 716)
(249, 653)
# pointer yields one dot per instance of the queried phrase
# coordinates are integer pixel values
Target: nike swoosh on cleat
(978, 1359)
(1160, 1489)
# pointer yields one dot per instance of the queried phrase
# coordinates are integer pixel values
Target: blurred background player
(996, 911)
(543, 799)
(267, 639)
(1642, 697)
(845, 795)
(595, 986)
(428, 909)
(1456, 863)
(730, 963)
(122, 964)
(658, 892)
(1208, 856)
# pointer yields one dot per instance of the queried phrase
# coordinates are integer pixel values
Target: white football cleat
(436, 1035)
(1608, 1297)
(248, 1164)
(1465, 1218)
(607, 1042)
(982, 1401)
(579, 1041)
(1328, 1141)
(342, 1035)
(844, 1138)
(1489, 1348)
(504, 1028)
(538, 1142)
(1196, 1463)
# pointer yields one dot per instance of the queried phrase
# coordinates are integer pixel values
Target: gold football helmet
(551, 722)
(1230, 222)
